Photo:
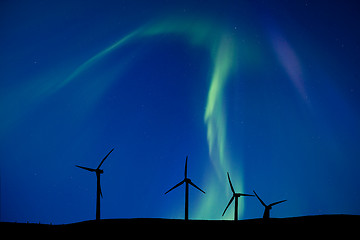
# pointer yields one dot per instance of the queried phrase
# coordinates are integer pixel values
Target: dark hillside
(321, 224)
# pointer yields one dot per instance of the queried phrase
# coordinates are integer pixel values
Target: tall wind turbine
(98, 171)
(187, 181)
(236, 196)
(267, 207)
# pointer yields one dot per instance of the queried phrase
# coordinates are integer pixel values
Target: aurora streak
(221, 45)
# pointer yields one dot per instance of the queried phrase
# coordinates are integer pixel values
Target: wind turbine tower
(236, 196)
(267, 207)
(98, 171)
(187, 181)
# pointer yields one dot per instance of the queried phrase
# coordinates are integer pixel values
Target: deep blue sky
(285, 122)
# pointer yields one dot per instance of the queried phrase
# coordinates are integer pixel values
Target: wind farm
(187, 181)
(260, 98)
(153, 225)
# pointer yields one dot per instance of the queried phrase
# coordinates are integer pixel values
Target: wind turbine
(267, 207)
(236, 196)
(98, 171)
(187, 181)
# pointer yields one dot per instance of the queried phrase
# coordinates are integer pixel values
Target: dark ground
(145, 227)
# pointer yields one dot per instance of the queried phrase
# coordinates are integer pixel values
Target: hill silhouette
(321, 224)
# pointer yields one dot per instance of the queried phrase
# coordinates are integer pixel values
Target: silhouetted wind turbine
(236, 196)
(98, 171)
(267, 207)
(187, 181)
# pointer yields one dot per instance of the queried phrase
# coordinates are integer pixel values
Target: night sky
(268, 91)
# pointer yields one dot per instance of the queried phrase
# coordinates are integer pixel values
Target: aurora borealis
(266, 91)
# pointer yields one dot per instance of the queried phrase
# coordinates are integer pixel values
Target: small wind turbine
(187, 181)
(267, 207)
(98, 171)
(236, 196)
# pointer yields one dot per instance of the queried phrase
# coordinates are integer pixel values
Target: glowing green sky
(206, 34)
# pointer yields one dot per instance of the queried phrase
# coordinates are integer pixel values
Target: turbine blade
(277, 203)
(105, 158)
(196, 186)
(232, 188)
(232, 199)
(186, 166)
(259, 199)
(175, 186)
(247, 195)
(89, 169)
(101, 192)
